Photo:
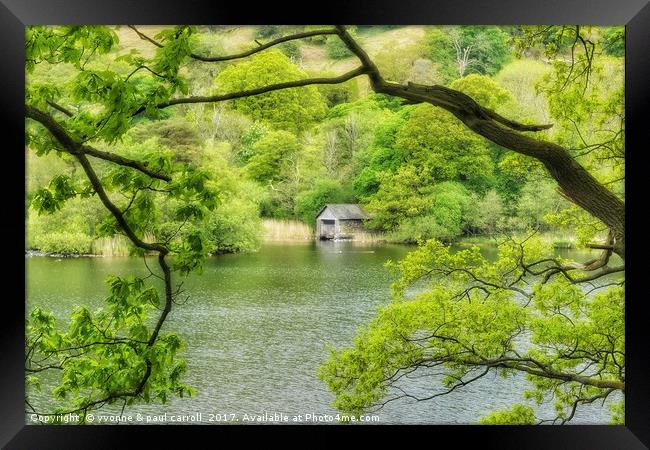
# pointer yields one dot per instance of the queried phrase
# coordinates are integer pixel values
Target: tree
(538, 199)
(434, 140)
(614, 41)
(396, 62)
(416, 154)
(273, 157)
(482, 301)
(383, 156)
(488, 214)
(406, 193)
(469, 49)
(289, 109)
(444, 219)
(475, 318)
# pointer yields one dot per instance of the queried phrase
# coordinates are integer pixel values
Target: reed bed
(285, 230)
(368, 237)
(117, 245)
(294, 230)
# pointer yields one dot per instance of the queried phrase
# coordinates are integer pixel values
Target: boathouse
(339, 221)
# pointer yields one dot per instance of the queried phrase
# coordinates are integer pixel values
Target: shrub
(291, 49)
(336, 48)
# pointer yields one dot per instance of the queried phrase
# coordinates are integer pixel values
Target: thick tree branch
(547, 372)
(137, 165)
(262, 90)
(74, 148)
(599, 274)
(66, 141)
(246, 53)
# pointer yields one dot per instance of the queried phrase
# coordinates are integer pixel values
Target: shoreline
(480, 241)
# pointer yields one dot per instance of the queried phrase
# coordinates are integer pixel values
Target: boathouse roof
(344, 211)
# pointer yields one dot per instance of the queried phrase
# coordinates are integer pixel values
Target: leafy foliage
(472, 317)
(103, 356)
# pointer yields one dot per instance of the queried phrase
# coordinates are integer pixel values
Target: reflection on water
(257, 327)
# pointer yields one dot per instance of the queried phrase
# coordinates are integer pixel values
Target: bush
(336, 48)
(290, 48)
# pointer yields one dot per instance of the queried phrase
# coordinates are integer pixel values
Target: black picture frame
(16, 14)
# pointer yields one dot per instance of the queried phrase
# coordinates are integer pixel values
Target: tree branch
(262, 90)
(137, 165)
(60, 108)
(114, 210)
(75, 148)
(246, 53)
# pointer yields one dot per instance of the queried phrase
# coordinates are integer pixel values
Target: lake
(257, 326)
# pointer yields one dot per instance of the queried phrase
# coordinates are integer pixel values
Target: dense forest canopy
(176, 142)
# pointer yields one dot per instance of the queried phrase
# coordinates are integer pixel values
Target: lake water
(257, 327)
